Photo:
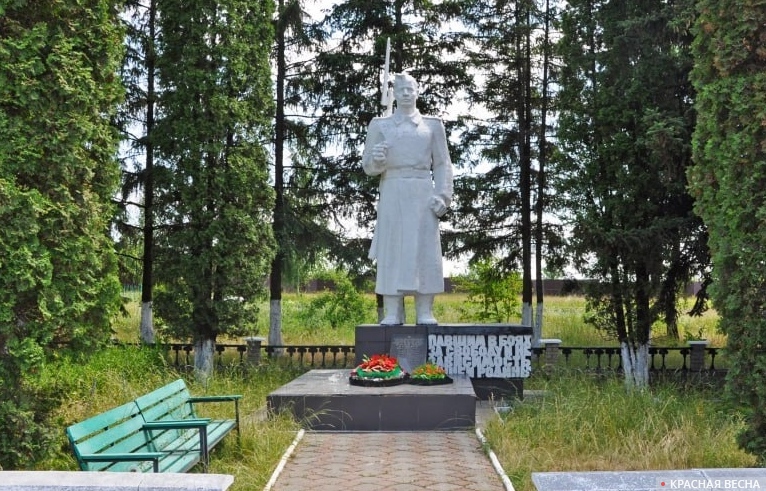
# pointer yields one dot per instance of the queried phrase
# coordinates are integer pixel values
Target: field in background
(562, 319)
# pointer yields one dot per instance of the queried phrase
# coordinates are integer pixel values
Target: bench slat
(128, 413)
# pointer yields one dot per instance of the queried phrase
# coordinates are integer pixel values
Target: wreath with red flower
(379, 367)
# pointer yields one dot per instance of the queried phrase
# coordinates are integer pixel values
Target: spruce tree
(509, 52)
(300, 218)
(625, 129)
(136, 121)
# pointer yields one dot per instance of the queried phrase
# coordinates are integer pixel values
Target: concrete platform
(323, 400)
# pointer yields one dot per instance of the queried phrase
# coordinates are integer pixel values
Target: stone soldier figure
(409, 153)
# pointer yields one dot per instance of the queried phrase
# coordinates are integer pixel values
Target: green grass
(563, 318)
(581, 424)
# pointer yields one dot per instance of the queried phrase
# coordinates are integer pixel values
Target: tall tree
(137, 125)
(494, 212)
(215, 244)
(544, 150)
(286, 15)
(728, 181)
(299, 222)
(58, 278)
(626, 126)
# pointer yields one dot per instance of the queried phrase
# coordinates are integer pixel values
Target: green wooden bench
(159, 431)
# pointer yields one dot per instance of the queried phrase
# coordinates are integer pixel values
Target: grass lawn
(562, 319)
(580, 423)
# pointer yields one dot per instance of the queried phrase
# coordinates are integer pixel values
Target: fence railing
(663, 360)
(309, 356)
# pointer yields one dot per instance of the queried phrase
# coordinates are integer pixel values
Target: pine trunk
(537, 328)
(526, 314)
(275, 324)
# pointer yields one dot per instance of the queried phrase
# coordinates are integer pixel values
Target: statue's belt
(407, 173)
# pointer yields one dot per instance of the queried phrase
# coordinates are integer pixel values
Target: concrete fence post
(697, 355)
(254, 350)
(550, 352)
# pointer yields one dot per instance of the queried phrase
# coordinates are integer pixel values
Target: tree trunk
(635, 364)
(525, 161)
(537, 328)
(147, 323)
(526, 316)
(146, 329)
(275, 322)
(278, 225)
(204, 358)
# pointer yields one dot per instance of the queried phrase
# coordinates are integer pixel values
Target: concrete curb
(495, 462)
(283, 460)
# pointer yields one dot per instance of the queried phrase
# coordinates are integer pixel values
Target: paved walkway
(400, 461)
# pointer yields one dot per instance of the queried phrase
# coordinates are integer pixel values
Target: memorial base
(324, 400)
(498, 389)
(496, 357)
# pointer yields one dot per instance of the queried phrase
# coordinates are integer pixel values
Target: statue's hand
(379, 154)
(438, 206)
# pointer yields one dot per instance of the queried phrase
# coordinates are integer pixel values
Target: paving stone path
(400, 461)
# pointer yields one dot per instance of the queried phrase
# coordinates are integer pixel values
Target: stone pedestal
(551, 349)
(325, 400)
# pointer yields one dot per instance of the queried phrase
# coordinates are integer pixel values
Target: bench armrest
(200, 424)
(222, 398)
(177, 424)
(232, 397)
(125, 457)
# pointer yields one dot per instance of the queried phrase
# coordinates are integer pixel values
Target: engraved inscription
(410, 350)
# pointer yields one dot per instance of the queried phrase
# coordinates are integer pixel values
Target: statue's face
(406, 94)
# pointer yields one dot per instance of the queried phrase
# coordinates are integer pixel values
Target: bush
(343, 306)
(493, 294)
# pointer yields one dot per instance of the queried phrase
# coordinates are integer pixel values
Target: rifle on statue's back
(386, 90)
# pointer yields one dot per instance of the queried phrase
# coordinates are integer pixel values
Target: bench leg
(203, 448)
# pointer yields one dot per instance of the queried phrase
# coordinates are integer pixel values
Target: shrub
(343, 306)
(493, 294)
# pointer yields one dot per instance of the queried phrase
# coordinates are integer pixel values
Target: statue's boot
(392, 308)
(424, 305)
